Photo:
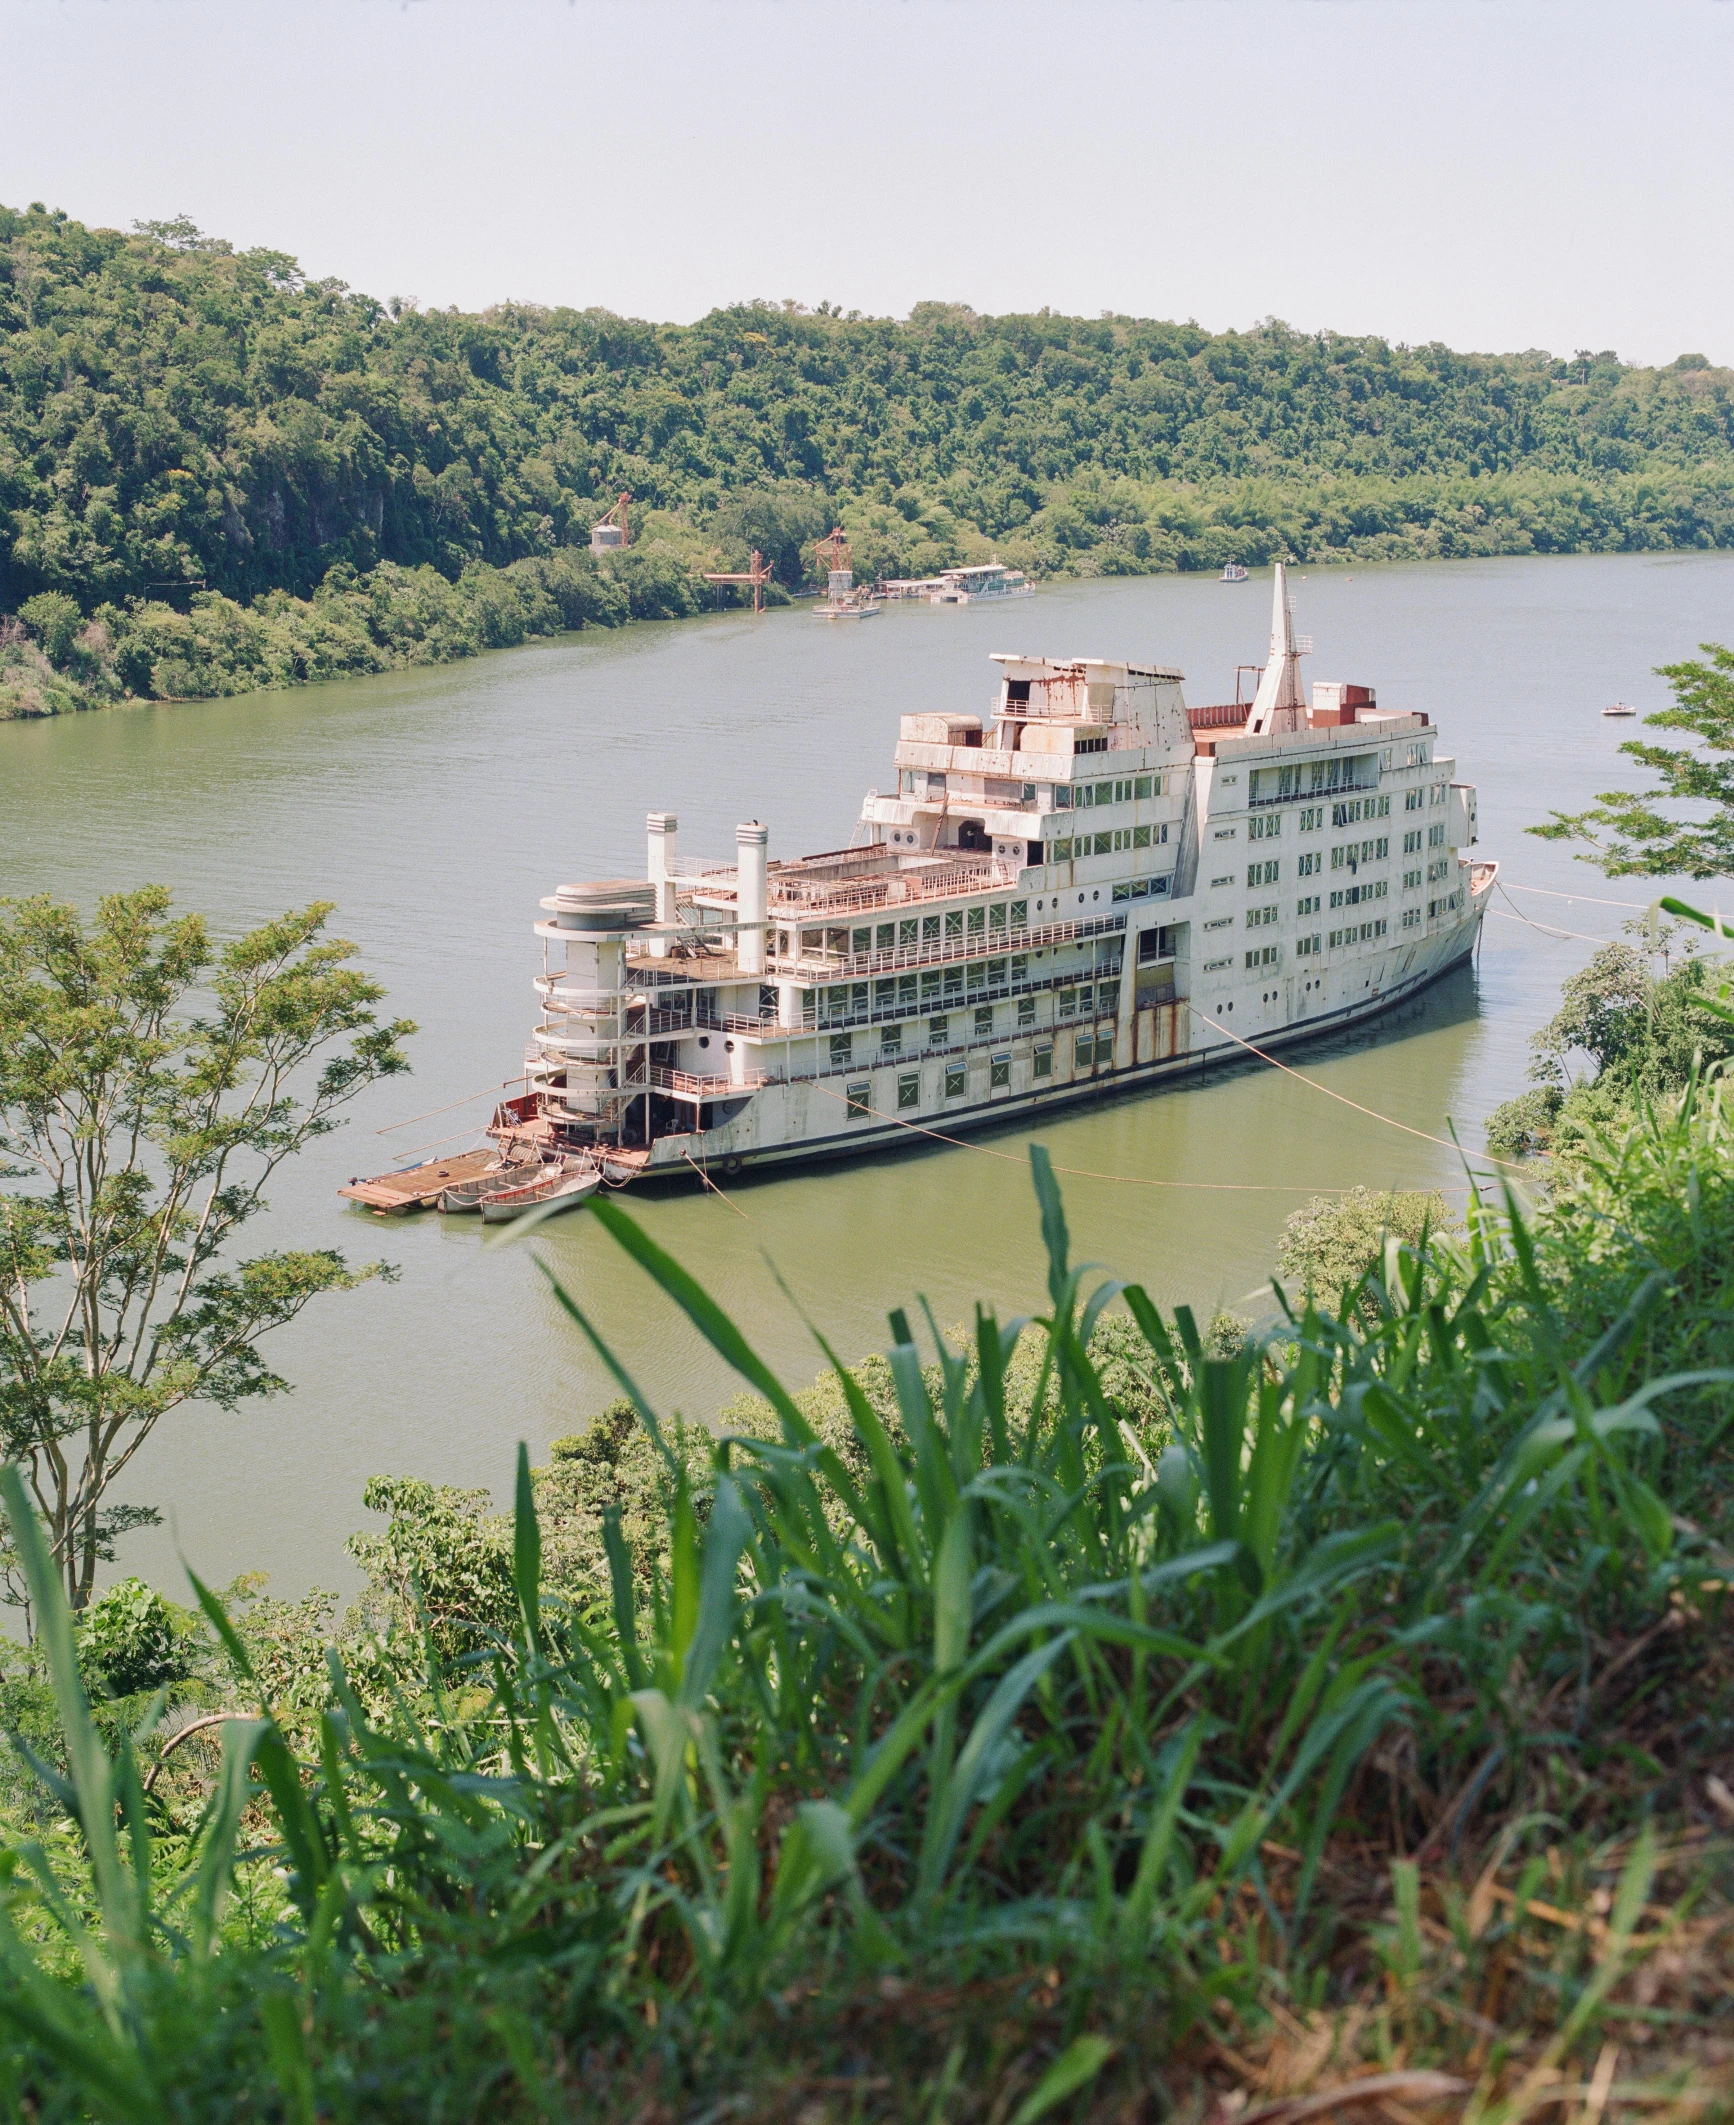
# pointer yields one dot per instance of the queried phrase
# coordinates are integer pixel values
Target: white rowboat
(563, 1187)
(467, 1195)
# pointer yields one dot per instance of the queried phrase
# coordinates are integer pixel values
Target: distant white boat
(1233, 573)
(989, 581)
(1619, 708)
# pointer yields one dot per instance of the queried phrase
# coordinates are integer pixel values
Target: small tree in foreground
(150, 1085)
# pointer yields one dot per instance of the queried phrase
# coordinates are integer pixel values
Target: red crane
(832, 554)
(758, 575)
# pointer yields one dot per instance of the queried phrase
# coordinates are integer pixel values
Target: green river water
(436, 807)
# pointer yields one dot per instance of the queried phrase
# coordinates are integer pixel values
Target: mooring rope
(1372, 1113)
(487, 1092)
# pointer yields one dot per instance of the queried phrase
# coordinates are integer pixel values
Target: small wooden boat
(468, 1194)
(559, 1188)
(1619, 708)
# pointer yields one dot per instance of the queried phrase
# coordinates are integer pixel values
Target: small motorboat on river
(1234, 572)
(1619, 708)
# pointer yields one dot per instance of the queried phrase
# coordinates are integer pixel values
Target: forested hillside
(186, 431)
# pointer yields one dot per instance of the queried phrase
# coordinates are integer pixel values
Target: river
(436, 807)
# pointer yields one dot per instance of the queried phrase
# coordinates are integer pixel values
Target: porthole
(704, 1040)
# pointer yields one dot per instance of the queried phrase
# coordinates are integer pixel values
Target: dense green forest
(228, 475)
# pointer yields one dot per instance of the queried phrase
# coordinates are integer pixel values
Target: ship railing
(671, 972)
(700, 867)
(983, 945)
(625, 1088)
(790, 894)
(563, 998)
(1219, 715)
(827, 870)
(586, 1051)
(601, 1023)
(899, 889)
(735, 1022)
(629, 1006)
(687, 1084)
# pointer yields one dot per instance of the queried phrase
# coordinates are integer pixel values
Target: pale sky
(1493, 173)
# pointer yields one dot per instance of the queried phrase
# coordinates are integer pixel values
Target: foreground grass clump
(1015, 1743)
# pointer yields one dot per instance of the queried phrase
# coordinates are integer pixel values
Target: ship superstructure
(1090, 889)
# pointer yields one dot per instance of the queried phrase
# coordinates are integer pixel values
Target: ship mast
(1278, 704)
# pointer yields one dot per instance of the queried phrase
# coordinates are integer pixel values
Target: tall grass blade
(93, 1779)
(1080, 2062)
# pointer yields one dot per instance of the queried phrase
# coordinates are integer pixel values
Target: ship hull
(702, 1158)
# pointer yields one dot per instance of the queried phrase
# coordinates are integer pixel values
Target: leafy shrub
(1329, 1244)
(55, 620)
(130, 1639)
(441, 1563)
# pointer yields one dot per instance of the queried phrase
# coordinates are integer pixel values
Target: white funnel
(752, 893)
(661, 828)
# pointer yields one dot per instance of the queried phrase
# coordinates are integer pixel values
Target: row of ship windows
(1002, 915)
(1090, 1000)
(1268, 955)
(1090, 1050)
(1083, 796)
(1349, 811)
(1348, 896)
(1323, 778)
(1108, 844)
(855, 1001)
(1347, 856)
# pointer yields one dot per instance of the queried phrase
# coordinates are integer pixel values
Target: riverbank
(394, 618)
(390, 619)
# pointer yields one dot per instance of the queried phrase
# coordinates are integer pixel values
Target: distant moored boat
(1233, 573)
